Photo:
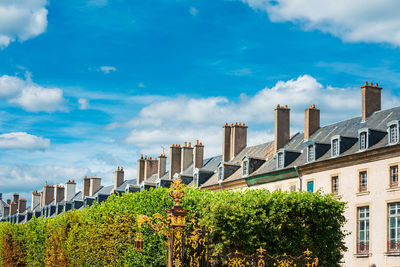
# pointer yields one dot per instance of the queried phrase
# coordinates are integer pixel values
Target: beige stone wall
(377, 197)
(283, 185)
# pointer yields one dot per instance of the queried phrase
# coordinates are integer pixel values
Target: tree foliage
(104, 234)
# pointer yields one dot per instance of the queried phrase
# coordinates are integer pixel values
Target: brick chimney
(162, 165)
(140, 170)
(311, 121)
(70, 190)
(21, 205)
(15, 197)
(150, 167)
(13, 208)
(60, 193)
(371, 99)
(282, 127)
(95, 184)
(6, 211)
(198, 155)
(85, 187)
(238, 138)
(186, 156)
(226, 142)
(35, 199)
(118, 177)
(48, 194)
(175, 160)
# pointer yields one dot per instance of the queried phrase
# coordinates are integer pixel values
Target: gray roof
(125, 183)
(347, 128)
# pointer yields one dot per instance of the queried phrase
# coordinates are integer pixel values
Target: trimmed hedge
(103, 235)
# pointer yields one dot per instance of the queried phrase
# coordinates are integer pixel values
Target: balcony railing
(394, 246)
(363, 247)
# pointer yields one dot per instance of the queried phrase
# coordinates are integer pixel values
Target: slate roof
(347, 128)
(125, 183)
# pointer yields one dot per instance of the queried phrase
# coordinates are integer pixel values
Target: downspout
(220, 184)
(300, 179)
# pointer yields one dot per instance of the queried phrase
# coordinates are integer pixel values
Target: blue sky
(89, 85)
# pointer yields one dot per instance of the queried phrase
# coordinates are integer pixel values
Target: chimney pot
(366, 83)
(190, 144)
(371, 84)
(376, 84)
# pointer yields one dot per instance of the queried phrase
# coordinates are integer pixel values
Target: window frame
(311, 152)
(363, 136)
(196, 179)
(361, 187)
(333, 185)
(396, 228)
(364, 247)
(220, 173)
(313, 186)
(395, 125)
(337, 150)
(391, 175)
(245, 167)
(280, 161)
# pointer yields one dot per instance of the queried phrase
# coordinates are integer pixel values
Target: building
(355, 159)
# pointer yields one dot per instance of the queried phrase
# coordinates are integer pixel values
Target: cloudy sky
(89, 85)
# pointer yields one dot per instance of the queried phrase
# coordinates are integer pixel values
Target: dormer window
(310, 153)
(363, 140)
(196, 179)
(220, 173)
(245, 167)
(281, 160)
(335, 147)
(393, 130)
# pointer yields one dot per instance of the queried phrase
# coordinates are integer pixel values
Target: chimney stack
(282, 126)
(6, 211)
(150, 167)
(70, 190)
(95, 184)
(15, 197)
(35, 199)
(371, 99)
(140, 170)
(238, 138)
(175, 160)
(226, 142)
(186, 156)
(162, 165)
(60, 193)
(198, 155)
(311, 121)
(118, 177)
(85, 187)
(21, 205)
(48, 194)
(8, 201)
(13, 208)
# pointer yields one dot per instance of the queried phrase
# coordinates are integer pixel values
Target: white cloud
(83, 103)
(193, 11)
(353, 21)
(108, 69)
(30, 96)
(141, 85)
(22, 140)
(22, 20)
(184, 118)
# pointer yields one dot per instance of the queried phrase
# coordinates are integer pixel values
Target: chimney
(85, 187)
(175, 160)
(198, 155)
(282, 127)
(150, 167)
(48, 194)
(311, 121)
(95, 184)
(35, 199)
(238, 138)
(186, 156)
(226, 142)
(21, 205)
(60, 193)
(8, 201)
(6, 211)
(140, 170)
(162, 165)
(371, 99)
(70, 190)
(15, 197)
(13, 208)
(118, 177)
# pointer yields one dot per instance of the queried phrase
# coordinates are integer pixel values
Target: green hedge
(103, 235)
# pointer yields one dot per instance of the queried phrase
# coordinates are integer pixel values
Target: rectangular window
(293, 188)
(363, 140)
(335, 147)
(220, 174)
(363, 230)
(394, 175)
(363, 181)
(280, 160)
(245, 168)
(394, 227)
(393, 134)
(310, 186)
(335, 185)
(196, 180)
(310, 153)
